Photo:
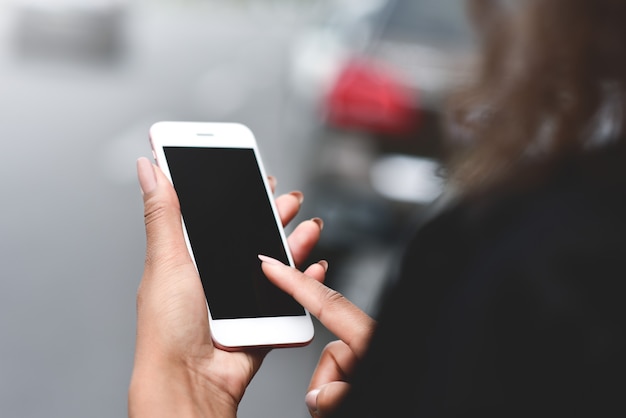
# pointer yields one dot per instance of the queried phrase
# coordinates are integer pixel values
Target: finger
(169, 274)
(288, 205)
(272, 181)
(317, 270)
(303, 238)
(336, 363)
(325, 400)
(164, 236)
(334, 311)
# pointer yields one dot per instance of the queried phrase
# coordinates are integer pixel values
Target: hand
(350, 324)
(177, 370)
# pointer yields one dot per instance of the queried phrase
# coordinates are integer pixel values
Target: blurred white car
(77, 28)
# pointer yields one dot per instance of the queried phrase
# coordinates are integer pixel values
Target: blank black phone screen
(229, 222)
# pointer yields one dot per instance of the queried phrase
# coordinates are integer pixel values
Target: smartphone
(229, 217)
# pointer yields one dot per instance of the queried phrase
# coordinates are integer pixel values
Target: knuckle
(334, 346)
(139, 298)
(154, 211)
(330, 299)
(333, 297)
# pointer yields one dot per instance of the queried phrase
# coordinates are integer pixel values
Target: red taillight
(368, 97)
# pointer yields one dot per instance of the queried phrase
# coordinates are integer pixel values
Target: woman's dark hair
(550, 85)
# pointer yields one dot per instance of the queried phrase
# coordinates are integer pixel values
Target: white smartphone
(229, 217)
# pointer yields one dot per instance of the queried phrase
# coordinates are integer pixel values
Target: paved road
(71, 232)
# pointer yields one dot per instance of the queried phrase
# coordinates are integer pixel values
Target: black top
(512, 305)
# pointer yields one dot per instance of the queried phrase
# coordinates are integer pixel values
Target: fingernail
(298, 195)
(145, 173)
(324, 264)
(270, 260)
(311, 400)
(319, 222)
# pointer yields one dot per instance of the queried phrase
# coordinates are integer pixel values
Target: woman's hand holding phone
(178, 371)
(177, 367)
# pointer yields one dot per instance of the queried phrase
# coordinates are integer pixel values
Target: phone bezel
(240, 333)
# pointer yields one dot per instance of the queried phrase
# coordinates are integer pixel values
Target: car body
(373, 75)
(382, 67)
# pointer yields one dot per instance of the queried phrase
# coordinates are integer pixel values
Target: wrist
(169, 390)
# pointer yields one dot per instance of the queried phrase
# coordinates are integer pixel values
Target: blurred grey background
(81, 81)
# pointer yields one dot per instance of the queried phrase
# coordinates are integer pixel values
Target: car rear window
(440, 20)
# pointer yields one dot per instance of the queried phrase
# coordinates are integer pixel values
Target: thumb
(164, 235)
(324, 400)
